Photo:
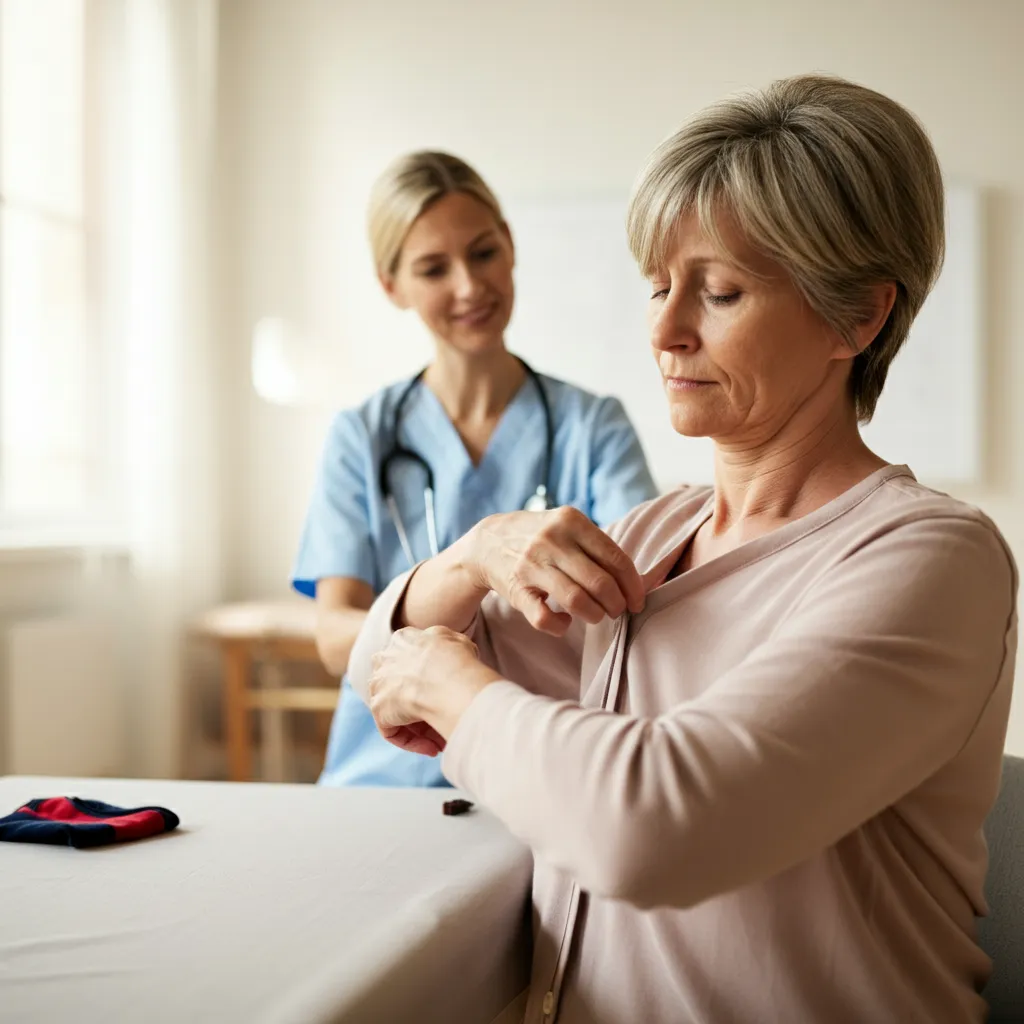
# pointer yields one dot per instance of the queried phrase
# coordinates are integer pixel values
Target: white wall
(68, 699)
(549, 98)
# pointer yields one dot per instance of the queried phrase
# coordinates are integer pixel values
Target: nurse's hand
(422, 682)
(534, 559)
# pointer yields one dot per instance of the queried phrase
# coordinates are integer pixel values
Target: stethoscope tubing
(543, 493)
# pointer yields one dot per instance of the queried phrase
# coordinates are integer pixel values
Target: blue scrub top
(598, 466)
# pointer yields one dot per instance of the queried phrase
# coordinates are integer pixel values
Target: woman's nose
(467, 284)
(673, 325)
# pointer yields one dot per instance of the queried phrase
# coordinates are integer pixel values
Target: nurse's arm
(341, 605)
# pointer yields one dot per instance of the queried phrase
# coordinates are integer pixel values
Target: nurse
(476, 432)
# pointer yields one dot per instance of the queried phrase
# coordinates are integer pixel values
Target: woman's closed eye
(720, 298)
(433, 270)
(485, 255)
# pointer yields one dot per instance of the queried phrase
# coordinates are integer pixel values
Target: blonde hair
(406, 189)
(835, 182)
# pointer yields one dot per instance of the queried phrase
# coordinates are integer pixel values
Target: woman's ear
(507, 232)
(881, 300)
(392, 289)
(883, 296)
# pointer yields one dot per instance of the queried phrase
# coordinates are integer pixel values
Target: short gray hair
(835, 182)
(405, 190)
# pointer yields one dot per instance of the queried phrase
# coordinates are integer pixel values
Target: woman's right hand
(536, 559)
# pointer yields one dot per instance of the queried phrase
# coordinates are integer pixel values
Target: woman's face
(455, 271)
(740, 353)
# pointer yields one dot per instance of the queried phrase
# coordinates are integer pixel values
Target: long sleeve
(873, 682)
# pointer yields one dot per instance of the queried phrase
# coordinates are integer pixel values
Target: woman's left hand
(422, 683)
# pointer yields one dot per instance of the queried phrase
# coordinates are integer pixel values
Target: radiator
(65, 712)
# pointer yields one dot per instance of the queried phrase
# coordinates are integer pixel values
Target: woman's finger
(427, 732)
(580, 573)
(532, 604)
(585, 553)
(602, 550)
(406, 738)
(580, 599)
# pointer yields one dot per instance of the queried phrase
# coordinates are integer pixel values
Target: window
(51, 470)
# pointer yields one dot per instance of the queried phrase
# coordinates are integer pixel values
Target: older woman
(752, 733)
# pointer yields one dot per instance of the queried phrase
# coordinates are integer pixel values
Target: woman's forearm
(443, 591)
(442, 595)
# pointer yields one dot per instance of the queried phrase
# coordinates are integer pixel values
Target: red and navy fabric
(71, 821)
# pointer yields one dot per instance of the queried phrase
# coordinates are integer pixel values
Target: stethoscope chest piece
(538, 501)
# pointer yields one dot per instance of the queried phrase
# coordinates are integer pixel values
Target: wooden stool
(268, 635)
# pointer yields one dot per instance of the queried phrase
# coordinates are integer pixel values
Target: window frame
(92, 523)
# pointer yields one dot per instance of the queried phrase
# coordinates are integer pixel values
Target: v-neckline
(669, 591)
(515, 411)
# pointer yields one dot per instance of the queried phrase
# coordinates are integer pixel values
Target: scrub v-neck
(510, 426)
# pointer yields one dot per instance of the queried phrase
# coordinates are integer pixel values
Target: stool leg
(274, 741)
(236, 712)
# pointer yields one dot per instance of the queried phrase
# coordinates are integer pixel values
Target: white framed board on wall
(581, 315)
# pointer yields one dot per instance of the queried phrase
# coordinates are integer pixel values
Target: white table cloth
(276, 904)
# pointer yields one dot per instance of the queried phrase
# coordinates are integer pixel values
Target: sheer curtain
(158, 155)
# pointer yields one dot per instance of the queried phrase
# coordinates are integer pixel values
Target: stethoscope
(540, 500)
